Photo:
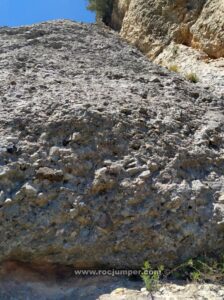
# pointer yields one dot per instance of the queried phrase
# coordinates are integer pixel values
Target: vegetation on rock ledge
(102, 8)
(203, 269)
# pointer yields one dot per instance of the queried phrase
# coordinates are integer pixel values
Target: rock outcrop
(169, 291)
(176, 32)
(152, 25)
(105, 158)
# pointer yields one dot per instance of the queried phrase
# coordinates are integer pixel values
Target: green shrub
(102, 8)
(174, 68)
(151, 277)
(200, 269)
(192, 77)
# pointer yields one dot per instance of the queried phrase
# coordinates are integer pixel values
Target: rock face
(152, 25)
(208, 30)
(105, 158)
(188, 34)
(186, 60)
(169, 291)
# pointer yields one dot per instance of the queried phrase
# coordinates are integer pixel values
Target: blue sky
(24, 12)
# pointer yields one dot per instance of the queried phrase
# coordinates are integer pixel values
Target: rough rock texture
(208, 30)
(210, 72)
(158, 28)
(105, 158)
(151, 25)
(170, 292)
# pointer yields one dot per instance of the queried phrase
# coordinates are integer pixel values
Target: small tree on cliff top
(102, 8)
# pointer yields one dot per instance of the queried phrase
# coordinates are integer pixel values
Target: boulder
(105, 158)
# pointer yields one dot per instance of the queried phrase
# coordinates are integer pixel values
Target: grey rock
(113, 159)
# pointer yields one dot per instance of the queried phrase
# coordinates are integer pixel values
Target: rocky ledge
(105, 158)
(186, 34)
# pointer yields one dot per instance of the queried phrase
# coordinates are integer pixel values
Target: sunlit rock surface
(187, 34)
(105, 158)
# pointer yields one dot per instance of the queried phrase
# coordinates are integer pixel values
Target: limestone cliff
(151, 25)
(167, 30)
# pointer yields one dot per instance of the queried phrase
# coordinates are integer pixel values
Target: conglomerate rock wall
(105, 158)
